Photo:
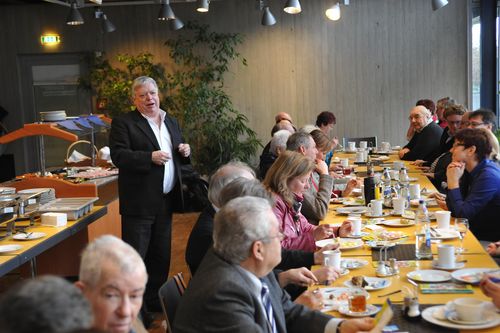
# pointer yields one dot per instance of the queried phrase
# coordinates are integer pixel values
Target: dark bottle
(369, 190)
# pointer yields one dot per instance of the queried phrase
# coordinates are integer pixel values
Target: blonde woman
(288, 179)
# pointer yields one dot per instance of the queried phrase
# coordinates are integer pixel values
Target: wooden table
(475, 255)
(54, 235)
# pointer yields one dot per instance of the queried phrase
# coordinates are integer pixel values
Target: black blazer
(140, 181)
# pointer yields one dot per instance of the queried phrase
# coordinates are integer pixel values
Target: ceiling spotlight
(107, 25)
(202, 6)
(436, 4)
(175, 24)
(74, 16)
(292, 7)
(166, 12)
(333, 13)
(268, 17)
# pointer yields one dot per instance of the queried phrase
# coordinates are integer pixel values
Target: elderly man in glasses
(234, 289)
(426, 139)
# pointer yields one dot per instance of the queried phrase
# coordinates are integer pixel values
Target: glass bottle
(422, 232)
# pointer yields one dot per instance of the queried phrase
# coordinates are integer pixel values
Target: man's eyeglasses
(474, 124)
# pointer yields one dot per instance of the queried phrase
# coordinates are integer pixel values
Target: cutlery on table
(391, 293)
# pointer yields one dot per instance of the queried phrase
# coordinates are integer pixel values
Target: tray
(73, 207)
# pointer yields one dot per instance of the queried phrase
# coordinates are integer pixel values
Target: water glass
(461, 226)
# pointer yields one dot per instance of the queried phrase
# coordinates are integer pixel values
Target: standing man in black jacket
(147, 147)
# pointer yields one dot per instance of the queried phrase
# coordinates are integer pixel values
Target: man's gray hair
(241, 187)
(297, 140)
(139, 82)
(308, 128)
(240, 223)
(111, 249)
(223, 176)
(47, 304)
(279, 140)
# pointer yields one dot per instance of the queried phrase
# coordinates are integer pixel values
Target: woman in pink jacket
(288, 179)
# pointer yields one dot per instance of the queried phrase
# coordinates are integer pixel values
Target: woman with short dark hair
(474, 183)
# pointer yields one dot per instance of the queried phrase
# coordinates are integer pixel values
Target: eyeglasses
(474, 124)
(280, 237)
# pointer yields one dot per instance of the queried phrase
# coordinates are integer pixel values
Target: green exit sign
(50, 39)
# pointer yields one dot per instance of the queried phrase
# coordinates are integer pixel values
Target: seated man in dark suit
(426, 139)
(234, 289)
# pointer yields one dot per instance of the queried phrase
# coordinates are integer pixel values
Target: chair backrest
(372, 141)
(170, 294)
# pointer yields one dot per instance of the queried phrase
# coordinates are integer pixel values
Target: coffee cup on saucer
(355, 225)
(375, 207)
(446, 256)
(469, 309)
(399, 204)
(363, 144)
(351, 146)
(332, 258)
(443, 219)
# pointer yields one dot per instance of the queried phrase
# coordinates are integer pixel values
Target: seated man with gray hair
(234, 289)
(48, 304)
(113, 278)
(426, 139)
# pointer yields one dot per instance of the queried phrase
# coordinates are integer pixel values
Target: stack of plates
(46, 194)
(53, 115)
(7, 190)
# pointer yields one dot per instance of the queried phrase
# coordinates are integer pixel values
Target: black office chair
(372, 141)
(170, 294)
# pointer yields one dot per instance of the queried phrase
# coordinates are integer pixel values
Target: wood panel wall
(368, 68)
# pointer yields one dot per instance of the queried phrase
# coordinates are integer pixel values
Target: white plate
(427, 314)
(325, 242)
(353, 263)
(408, 214)
(374, 283)
(380, 158)
(368, 214)
(380, 244)
(351, 210)
(363, 233)
(470, 275)
(354, 202)
(445, 234)
(7, 190)
(458, 265)
(370, 310)
(453, 317)
(29, 236)
(9, 248)
(350, 243)
(398, 223)
(429, 275)
(334, 297)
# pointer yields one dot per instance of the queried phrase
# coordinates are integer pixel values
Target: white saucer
(29, 236)
(458, 265)
(428, 315)
(353, 263)
(429, 275)
(9, 248)
(357, 236)
(370, 310)
(453, 317)
(368, 214)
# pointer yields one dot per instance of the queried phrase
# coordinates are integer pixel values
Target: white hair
(107, 249)
(223, 176)
(139, 82)
(279, 140)
(308, 128)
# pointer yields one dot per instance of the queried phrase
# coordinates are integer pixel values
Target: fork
(28, 235)
(436, 233)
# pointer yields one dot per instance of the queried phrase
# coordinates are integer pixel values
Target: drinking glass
(461, 226)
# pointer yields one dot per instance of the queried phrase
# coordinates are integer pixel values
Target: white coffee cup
(385, 146)
(356, 225)
(443, 219)
(351, 145)
(469, 309)
(360, 156)
(331, 258)
(394, 174)
(363, 144)
(399, 204)
(375, 207)
(414, 191)
(446, 256)
(344, 162)
(365, 155)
